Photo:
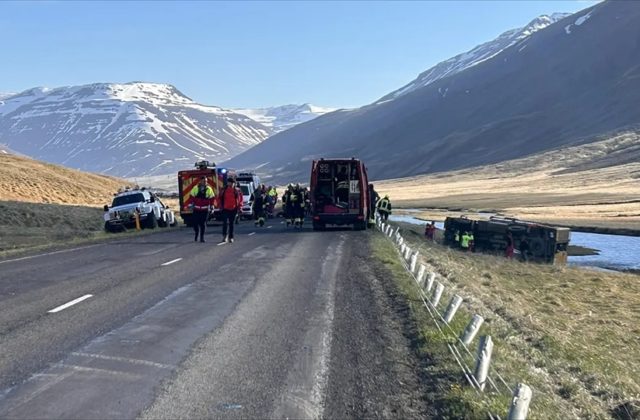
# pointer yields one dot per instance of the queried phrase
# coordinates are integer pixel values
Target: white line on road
(222, 243)
(269, 227)
(172, 261)
(123, 359)
(252, 233)
(282, 223)
(48, 253)
(66, 305)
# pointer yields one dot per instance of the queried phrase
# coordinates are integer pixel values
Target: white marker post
(472, 329)
(520, 403)
(484, 359)
(421, 273)
(414, 260)
(454, 304)
(437, 294)
(430, 280)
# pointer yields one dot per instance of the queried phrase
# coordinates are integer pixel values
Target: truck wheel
(162, 222)
(152, 222)
(360, 226)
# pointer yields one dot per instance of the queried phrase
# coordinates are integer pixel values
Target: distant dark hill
(565, 84)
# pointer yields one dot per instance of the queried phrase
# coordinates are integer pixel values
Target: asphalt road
(282, 323)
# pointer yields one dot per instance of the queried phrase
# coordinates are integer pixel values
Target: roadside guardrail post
(421, 273)
(520, 403)
(414, 260)
(437, 294)
(472, 329)
(454, 304)
(485, 348)
(430, 280)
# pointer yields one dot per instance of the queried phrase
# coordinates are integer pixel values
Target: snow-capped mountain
(4, 95)
(127, 129)
(283, 117)
(477, 55)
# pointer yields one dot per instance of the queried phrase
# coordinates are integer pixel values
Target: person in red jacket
(230, 201)
(201, 201)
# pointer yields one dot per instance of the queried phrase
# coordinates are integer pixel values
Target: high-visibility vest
(201, 200)
(465, 241)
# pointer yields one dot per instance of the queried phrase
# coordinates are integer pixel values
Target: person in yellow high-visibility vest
(384, 207)
(201, 200)
(464, 242)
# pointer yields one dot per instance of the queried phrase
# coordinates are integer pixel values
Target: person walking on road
(201, 200)
(230, 202)
(259, 205)
(384, 208)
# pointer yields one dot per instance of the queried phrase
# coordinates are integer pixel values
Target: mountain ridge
(283, 117)
(548, 90)
(123, 129)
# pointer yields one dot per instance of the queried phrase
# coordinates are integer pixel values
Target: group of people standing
(295, 203)
(229, 200)
(263, 200)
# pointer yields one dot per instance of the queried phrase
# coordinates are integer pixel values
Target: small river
(617, 252)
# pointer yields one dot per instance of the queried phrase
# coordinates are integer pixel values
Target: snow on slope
(126, 129)
(283, 117)
(475, 56)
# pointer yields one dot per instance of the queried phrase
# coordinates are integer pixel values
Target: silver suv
(127, 204)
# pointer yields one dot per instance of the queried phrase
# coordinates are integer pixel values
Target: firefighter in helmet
(384, 207)
(259, 206)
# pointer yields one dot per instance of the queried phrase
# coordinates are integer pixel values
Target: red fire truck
(339, 193)
(188, 179)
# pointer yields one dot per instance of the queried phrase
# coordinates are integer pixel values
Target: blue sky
(249, 54)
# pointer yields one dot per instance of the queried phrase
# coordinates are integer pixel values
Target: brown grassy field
(568, 186)
(23, 179)
(44, 205)
(570, 334)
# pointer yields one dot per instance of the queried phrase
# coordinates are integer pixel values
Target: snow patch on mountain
(283, 117)
(4, 95)
(123, 129)
(476, 56)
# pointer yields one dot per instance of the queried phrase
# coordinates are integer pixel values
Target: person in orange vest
(201, 201)
(230, 201)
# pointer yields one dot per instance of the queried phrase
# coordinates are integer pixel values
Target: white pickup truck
(125, 205)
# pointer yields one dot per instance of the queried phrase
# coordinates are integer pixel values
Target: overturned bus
(546, 244)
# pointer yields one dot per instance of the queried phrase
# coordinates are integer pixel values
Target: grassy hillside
(570, 334)
(596, 184)
(24, 179)
(44, 205)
